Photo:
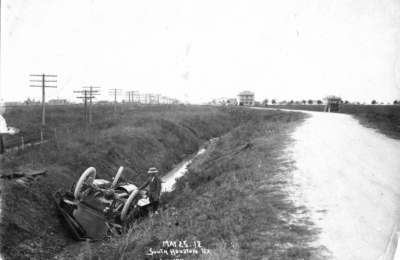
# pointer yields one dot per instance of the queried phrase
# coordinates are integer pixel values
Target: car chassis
(88, 214)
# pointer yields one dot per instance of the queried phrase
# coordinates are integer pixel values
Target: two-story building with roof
(246, 98)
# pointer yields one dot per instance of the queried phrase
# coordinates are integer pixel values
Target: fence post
(22, 140)
(41, 136)
(55, 133)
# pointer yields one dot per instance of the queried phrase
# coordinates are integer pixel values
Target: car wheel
(128, 204)
(134, 214)
(86, 177)
(115, 181)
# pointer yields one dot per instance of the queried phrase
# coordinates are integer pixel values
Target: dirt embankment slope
(153, 136)
(348, 176)
(157, 136)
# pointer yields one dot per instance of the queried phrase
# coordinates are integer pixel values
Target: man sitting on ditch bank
(154, 183)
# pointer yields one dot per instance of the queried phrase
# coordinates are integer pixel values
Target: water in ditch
(180, 169)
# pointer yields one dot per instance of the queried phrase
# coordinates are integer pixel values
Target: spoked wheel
(115, 181)
(86, 177)
(132, 216)
(128, 203)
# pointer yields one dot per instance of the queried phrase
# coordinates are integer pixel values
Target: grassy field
(386, 119)
(230, 201)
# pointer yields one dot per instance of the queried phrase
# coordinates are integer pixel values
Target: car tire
(132, 216)
(115, 181)
(128, 204)
(91, 171)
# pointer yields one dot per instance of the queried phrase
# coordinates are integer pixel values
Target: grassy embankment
(231, 199)
(385, 119)
(137, 140)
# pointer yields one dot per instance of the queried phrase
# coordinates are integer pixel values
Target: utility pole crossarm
(115, 92)
(43, 80)
(40, 75)
(89, 95)
(42, 86)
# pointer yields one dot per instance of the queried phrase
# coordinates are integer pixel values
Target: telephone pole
(43, 86)
(90, 97)
(85, 99)
(158, 98)
(136, 97)
(131, 95)
(115, 92)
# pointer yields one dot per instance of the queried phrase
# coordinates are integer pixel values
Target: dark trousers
(1, 144)
(154, 203)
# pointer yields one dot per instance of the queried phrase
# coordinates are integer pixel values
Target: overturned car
(95, 208)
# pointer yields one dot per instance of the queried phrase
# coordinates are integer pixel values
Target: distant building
(246, 98)
(232, 101)
(57, 102)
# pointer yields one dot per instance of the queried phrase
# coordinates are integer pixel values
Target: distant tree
(395, 102)
(310, 102)
(341, 101)
(273, 101)
(284, 102)
(297, 102)
(358, 103)
(291, 102)
(346, 102)
(265, 102)
(304, 102)
(319, 102)
(256, 103)
(373, 102)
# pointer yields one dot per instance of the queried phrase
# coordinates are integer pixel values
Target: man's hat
(152, 170)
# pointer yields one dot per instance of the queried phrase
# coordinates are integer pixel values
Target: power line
(90, 94)
(115, 92)
(86, 97)
(43, 86)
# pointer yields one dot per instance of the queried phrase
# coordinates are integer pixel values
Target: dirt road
(348, 176)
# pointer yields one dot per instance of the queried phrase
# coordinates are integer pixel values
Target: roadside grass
(136, 140)
(384, 118)
(232, 201)
(158, 136)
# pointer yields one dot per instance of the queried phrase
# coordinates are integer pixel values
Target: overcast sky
(198, 50)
